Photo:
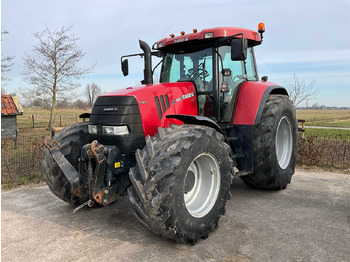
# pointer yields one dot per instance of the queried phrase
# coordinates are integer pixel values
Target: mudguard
(251, 101)
(250, 105)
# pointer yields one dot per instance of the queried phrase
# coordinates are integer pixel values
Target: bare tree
(6, 63)
(52, 68)
(300, 90)
(92, 92)
(80, 104)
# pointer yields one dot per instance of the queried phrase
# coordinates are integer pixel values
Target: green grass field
(330, 118)
(326, 118)
(328, 133)
(63, 117)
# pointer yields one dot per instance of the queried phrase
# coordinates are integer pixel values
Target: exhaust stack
(147, 72)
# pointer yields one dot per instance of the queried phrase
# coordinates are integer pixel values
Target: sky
(307, 38)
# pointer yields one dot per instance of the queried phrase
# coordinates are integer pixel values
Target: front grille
(118, 111)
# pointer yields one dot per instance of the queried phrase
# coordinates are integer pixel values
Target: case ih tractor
(174, 147)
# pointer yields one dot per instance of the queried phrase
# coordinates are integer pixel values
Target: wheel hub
(284, 142)
(202, 185)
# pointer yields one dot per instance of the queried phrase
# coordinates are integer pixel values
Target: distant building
(10, 109)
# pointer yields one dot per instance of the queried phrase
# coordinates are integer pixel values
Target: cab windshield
(196, 67)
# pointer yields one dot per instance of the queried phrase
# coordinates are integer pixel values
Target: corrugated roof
(8, 107)
(18, 105)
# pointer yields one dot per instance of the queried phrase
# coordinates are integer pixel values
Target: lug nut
(105, 201)
(106, 191)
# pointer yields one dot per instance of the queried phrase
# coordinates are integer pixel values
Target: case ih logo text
(110, 109)
(189, 95)
(180, 40)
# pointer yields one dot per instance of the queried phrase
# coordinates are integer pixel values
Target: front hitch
(94, 167)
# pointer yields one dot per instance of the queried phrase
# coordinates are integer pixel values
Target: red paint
(248, 102)
(218, 32)
(149, 113)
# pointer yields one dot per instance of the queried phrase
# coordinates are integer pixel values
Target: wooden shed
(10, 109)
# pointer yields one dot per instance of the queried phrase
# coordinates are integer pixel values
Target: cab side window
(251, 73)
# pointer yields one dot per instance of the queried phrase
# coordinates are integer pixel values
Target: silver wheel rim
(202, 185)
(284, 142)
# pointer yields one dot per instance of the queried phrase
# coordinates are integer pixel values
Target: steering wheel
(191, 71)
(239, 77)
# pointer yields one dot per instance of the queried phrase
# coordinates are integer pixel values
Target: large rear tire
(71, 139)
(181, 182)
(275, 145)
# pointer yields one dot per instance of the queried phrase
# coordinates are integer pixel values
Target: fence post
(303, 127)
(33, 120)
(52, 132)
(16, 138)
(60, 120)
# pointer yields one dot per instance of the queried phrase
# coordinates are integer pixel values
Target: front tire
(71, 140)
(275, 145)
(181, 182)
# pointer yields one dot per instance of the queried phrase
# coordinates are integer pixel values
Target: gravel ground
(309, 221)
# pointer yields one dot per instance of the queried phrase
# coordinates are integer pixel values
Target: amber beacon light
(261, 29)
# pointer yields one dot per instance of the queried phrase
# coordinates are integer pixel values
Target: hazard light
(261, 28)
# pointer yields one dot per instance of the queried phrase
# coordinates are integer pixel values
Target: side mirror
(125, 67)
(264, 78)
(239, 49)
(226, 72)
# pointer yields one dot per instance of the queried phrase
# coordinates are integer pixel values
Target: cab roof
(253, 37)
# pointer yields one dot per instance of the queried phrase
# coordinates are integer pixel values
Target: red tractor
(174, 147)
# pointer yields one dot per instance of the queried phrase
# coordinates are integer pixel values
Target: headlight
(92, 129)
(115, 130)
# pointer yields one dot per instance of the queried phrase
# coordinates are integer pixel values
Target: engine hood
(147, 90)
(154, 103)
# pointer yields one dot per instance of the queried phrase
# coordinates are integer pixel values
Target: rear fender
(251, 101)
(250, 105)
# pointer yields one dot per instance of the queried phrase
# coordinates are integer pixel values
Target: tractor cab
(215, 75)
(216, 60)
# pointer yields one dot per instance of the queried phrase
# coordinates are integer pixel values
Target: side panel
(157, 101)
(251, 101)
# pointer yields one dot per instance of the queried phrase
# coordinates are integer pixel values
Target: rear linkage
(94, 179)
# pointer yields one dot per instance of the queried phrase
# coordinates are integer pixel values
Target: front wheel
(275, 145)
(71, 139)
(181, 182)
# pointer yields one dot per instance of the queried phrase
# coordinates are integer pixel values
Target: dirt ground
(309, 221)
